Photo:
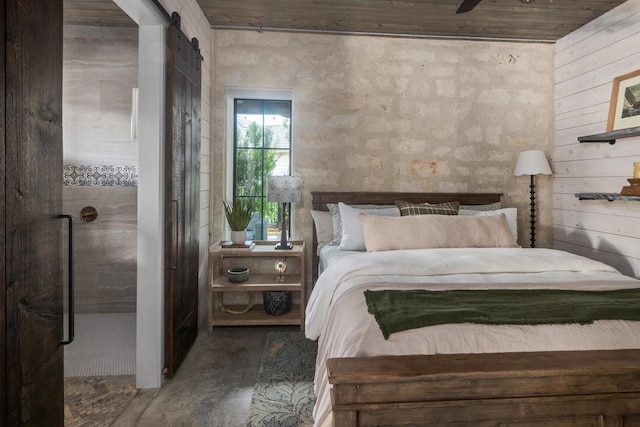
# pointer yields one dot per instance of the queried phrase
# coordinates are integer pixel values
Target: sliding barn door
(182, 196)
(31, 288)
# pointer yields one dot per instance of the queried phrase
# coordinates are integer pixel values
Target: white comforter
(337, 315)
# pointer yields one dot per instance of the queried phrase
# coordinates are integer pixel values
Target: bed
(465, 373)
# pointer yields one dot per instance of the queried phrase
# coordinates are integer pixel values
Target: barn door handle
(70, 292)
(176, 225)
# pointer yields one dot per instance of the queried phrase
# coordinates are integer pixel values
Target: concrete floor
(213, 387)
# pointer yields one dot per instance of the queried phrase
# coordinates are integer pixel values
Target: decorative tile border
(101, 175)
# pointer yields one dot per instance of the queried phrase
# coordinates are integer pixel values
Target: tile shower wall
(100, 156)
(105, 249)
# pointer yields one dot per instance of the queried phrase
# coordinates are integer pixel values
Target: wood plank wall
(587, 60)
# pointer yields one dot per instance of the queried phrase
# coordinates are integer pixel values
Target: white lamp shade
(284, 189)
(532, 162)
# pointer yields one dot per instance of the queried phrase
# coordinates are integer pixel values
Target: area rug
(283, 394)
(96, 401)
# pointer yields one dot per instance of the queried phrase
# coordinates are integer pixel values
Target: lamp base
(286, 245)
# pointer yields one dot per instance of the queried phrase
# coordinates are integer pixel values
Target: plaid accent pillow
(489, 207)
(406, 208)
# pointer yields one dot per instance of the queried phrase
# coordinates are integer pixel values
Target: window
(261, 148)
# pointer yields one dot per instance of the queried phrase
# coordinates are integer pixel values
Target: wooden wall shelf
(605, 196)
(610, 137)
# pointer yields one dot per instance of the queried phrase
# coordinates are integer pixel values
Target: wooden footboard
(574, 388)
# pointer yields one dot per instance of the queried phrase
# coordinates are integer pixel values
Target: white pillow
(510, 213)
(352, 236)
(436, 231)
(336, 220)
(324, 227)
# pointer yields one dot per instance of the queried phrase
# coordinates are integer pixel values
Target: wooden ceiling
(101, 13)
(541, 20)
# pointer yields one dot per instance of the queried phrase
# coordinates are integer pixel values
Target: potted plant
(238, 215)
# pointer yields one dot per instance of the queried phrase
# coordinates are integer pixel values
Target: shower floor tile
(104, 345)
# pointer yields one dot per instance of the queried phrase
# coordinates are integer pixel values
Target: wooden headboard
(319, 200)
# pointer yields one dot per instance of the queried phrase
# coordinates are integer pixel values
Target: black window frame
(262, 197)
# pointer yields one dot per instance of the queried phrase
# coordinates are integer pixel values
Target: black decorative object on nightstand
(276, 303)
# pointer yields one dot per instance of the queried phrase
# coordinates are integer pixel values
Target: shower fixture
(88, 214)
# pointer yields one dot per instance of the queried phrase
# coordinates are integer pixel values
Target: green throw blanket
(399, 310)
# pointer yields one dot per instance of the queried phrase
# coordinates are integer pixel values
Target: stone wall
(396, 114)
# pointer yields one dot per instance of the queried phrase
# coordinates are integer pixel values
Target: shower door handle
(71, 325)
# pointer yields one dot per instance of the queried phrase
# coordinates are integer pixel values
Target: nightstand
(224, 308)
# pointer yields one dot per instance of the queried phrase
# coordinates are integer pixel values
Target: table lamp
(284, 189)
(532, 162)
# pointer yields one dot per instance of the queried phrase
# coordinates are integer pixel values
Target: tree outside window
(262, 147)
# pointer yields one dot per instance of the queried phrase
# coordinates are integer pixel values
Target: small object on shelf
(633, 189)
(280, 266)
(237, 275)
(246, 245)
(276, 303)
(624, 107)
(238, 214)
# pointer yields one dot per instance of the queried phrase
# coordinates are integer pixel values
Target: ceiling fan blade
(467, 5)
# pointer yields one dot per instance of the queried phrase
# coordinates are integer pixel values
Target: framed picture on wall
(624, 109)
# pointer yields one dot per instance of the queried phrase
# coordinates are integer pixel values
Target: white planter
(238, 237)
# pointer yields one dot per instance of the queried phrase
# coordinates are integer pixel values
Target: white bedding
(327, 254)
(337, 315)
